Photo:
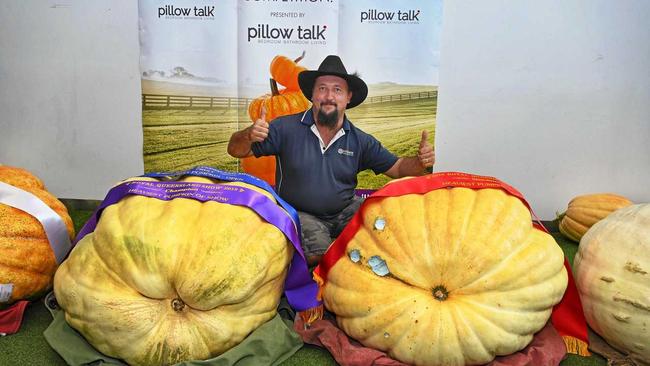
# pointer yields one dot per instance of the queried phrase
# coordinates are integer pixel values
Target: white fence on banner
(159, 101)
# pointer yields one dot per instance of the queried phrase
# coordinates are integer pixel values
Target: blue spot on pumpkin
(380, 223)
(355, 255)
(378, 265)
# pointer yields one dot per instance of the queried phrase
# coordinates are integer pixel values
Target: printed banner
(203, 63)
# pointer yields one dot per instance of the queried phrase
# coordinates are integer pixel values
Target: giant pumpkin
(160, 282)
(586, 210)
(612, 269)
(278, 103)
(27, 262)
(450, 277)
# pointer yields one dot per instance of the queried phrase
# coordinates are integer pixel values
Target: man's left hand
(426, 155)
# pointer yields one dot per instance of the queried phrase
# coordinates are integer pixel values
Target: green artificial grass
(310, 355)
(28, 346)
(569, 247)
(79, 218)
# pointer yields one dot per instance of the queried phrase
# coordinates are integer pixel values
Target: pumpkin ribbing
(178, 275)
(586, 210)
(468, 279)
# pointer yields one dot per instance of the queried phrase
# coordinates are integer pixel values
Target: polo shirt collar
(307, 119)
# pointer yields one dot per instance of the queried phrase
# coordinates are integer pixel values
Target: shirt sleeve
(271, 145)
(375, 156)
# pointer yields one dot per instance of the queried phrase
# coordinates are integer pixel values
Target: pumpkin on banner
(278, 103)
(612, 270)
(159, 282)
(586, 210)
(285, 71)
(27, 261)
(444, 276)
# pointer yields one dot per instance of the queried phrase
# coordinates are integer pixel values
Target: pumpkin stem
(178, 305)
(274, 87)
(440, 293)
(300, 58)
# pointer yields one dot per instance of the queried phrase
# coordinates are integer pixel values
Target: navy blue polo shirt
(316, 182)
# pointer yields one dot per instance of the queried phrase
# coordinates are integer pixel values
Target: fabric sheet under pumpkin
(270, 344)
(546, 348)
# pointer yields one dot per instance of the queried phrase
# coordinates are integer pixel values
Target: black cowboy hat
(332, 65)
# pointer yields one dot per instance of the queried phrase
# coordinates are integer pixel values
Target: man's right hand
(240, 143)
(260, 128)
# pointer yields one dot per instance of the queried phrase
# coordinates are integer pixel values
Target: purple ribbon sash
(300, 288)
(210, 172)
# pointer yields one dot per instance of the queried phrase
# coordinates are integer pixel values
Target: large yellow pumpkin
(612, 269)
(160, 282)
(586, 210)
(285, 71)
(27, 261)
(451, 277)
(277, 104)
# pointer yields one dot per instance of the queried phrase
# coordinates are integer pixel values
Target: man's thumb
(425, 137)
(263, 113)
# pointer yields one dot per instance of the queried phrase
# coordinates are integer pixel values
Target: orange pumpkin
(277, 104)
(27, 261)
(586, 210)
(285, 71)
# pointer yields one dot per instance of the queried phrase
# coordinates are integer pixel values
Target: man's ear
(349, 96)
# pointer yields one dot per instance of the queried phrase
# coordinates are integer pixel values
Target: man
(319, 153)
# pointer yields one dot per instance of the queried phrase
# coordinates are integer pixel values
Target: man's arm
(240, 142)
(414, 165)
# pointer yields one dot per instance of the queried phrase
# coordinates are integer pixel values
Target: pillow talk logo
(390, 17)
(192, 12)
(265, 33)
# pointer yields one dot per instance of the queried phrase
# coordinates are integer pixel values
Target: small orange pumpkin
(286, 71)
(27, 261)
(277, 104)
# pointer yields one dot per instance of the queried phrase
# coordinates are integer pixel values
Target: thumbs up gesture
(426, 155)
(260, 128)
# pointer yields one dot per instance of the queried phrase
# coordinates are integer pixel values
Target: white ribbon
(55, 229)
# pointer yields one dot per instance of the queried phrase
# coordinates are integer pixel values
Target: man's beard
(328, 120)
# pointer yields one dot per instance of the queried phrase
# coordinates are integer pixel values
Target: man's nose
(329, 95)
